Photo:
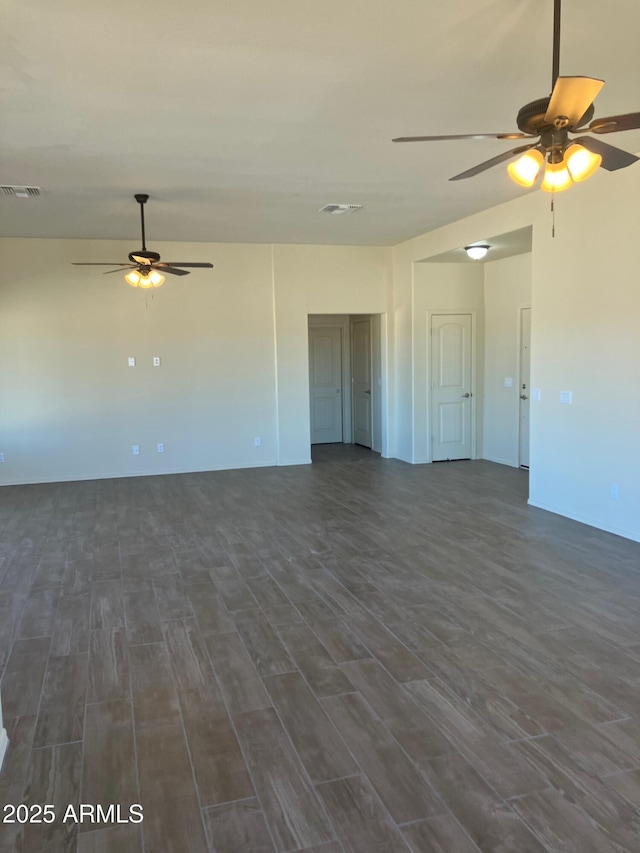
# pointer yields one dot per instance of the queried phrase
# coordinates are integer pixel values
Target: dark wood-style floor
(358, 655)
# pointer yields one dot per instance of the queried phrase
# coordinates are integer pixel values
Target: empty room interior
(324, 538)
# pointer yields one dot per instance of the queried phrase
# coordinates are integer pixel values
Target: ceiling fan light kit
(477, 253)
(144, 279)
(577, 164)
(545, 125)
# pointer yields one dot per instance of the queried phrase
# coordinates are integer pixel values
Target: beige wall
(71, 408)
(507, 289)
(586, 339)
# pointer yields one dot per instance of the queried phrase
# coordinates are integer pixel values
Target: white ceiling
(242, 119)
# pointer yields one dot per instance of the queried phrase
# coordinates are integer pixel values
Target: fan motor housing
(531, 120)
(143, 255)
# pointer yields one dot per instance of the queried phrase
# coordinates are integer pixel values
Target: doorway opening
(345, 379)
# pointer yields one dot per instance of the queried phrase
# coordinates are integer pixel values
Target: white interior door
(325, 383)
(525, 384)
(451, 392)
(361, 368)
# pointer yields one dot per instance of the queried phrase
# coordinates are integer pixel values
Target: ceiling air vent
(340, 208)
(21, 192)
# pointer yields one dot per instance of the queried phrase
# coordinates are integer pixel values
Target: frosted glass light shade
(151, 279)
(525, 169)
(581, 162)
(556, 178)
(476, 253)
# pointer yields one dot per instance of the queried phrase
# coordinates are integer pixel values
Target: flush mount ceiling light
(544, 127)
(477, 253)
(145, 267)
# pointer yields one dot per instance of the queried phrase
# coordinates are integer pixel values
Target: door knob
(467, 394)
(523, 397)
(367, 392)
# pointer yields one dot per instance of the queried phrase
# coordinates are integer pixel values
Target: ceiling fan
(146, 267)
(549, 121)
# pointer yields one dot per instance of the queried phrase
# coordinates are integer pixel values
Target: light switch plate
(536, 394)
(1, 457)
(508, 382)
(131, 361)
(136, 450)
(566, 397)
(156, 361)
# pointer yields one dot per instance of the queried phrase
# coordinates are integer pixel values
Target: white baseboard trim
(4, 743)
(574, 516)
(118, 475)
(495, 459)
(306, 461)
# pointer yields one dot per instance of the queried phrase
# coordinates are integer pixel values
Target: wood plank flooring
(356, 655)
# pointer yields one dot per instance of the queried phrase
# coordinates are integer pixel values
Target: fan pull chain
(553, 216)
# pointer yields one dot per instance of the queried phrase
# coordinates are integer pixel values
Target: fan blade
(99, 264)
(120, 269)
(571, 98)
(176, 264)
(612, 158)
(171, 270)
(507, 155)
(613, 124)
(463, 136)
